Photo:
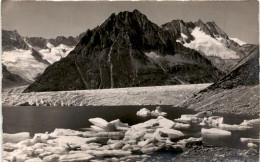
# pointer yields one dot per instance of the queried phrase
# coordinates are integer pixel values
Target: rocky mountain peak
(12, 40)
(126, 50)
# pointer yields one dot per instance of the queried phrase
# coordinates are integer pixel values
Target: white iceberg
(144, 112)
(213, 121)
(215, 132)
(158, 112)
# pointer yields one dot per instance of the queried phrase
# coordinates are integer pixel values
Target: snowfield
(22, 63)
(157, 95)
(53, 54)
(209, 46)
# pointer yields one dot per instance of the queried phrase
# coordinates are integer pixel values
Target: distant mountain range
(27, 57)
(126, 50)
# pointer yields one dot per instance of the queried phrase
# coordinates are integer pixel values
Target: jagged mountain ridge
(208, 39)
(127, 50)
(27, 57)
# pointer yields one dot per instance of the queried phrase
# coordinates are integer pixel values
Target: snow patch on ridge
(209, 46)
(240, 42)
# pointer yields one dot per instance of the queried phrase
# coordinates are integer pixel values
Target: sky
(52, 19)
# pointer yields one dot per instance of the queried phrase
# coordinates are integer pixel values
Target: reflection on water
(42, 119)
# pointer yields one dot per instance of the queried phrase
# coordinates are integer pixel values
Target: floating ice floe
(158, 112)
(250, 122)
(197, 118)
(114, 138)
(249, 140)
(143, 112)
(15, 138)
(233, 127)
(102, 125)
(214, 121)
(215, 132)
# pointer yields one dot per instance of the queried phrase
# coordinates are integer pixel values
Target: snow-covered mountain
(210, 40)
(28, 57)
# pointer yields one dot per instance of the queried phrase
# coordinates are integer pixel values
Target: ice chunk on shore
(51, 158)
(163, 122)
(101, 124)
(215, 132)
(65, 132)
(251, 122)
(76, 157)
(15, 138)
(251, 145)
(144, 112)
(186, 143)
(173, 134)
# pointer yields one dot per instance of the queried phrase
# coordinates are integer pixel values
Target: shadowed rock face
(127, 50)
(237, 92)
(10, 79)
(246, 74)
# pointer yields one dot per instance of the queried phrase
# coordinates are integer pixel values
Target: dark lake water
(41, 119)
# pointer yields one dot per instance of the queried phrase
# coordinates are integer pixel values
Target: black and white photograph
(130, 81)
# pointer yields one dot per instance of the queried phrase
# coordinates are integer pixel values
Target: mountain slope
(9, 79)
(237, 92)
(127, 50)
(209, 40)
(28, 57)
